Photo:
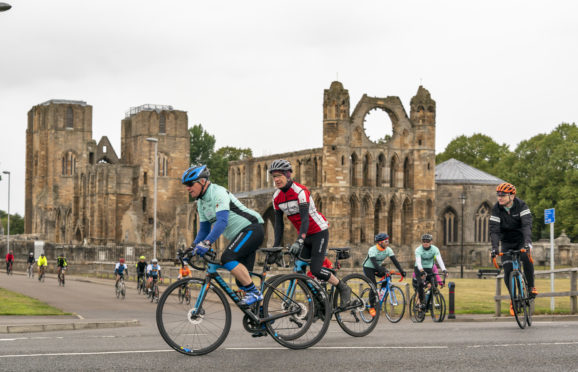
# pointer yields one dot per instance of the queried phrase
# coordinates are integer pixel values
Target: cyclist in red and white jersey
(294, 200)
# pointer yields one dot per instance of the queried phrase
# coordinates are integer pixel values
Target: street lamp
(8, 236)
(156, 142)
(463, 198)
(4, 7)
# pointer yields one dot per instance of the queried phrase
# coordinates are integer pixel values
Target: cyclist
(141, 268)
(30, 262)
(42, 264)
(9, 261)
(62, 265)
(184, 272)
(511, 223)
(221, 213)
(295, 201)
(119, 270)
(153, 272)
(372, 264)
(424, 261)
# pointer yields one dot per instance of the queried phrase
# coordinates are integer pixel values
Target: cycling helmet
(194, 174)
(142, 258)
(280, 165)
(380, 237)
(31, 253)
(121, 260)
(154, 261)
(507, 188)
(427, 237)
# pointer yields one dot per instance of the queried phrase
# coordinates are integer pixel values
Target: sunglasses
(426, 241)
(503, 193)
(190, 183)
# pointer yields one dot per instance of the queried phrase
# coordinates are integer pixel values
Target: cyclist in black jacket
(511, 223)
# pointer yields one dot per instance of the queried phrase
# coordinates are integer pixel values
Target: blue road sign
(549, 215)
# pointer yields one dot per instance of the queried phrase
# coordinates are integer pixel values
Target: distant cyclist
(9, 261)
(372, 264)
(120, 269)
(42, 264)
(184, 272)
(141, 268)
(511, 224)
(153, 272)
(61, 265)
(425, 255)
(30, 263)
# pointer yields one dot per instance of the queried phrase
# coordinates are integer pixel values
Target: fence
(573, 293)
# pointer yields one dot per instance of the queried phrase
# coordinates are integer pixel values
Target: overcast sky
(253, 72)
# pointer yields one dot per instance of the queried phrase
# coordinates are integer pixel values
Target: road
(403, 346)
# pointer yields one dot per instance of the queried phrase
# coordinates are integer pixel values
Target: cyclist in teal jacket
(425, 255)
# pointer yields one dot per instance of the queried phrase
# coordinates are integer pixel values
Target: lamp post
(463, 198)
(4, 7)
(156, 142)
(8, 235)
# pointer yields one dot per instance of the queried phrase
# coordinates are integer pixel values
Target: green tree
(16, 223)
(478, 150)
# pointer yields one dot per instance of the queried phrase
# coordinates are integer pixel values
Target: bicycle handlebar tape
(452, 288)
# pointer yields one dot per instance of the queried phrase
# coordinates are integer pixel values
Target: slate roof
(455, 171)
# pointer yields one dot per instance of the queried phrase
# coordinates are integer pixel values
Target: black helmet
(427, 237)
(380, 237)
(280, 165)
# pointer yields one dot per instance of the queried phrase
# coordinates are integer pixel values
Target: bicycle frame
(386, 282)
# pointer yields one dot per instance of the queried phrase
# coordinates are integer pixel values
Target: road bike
(522, 299)
(30, 270)
(61, 274)
(42, 273)
(287, 312)
(435, 302)
(391, 298)
(354, 318)
(9, 268)
(154, 293)
(185, 294)
(141, 284)
(120, 288)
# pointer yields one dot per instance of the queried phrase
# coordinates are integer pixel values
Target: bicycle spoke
(356, 319)
(394, 304)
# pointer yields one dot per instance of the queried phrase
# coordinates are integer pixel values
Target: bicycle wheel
(181, 295)
(518, 300)
(117, 290)
(394, 304)
(122, 290)
(416, 314)
(527, 301)
(302, 308)
(355, 319)
(154, 291)
(194, 330)
(139, 285)
(437, 307)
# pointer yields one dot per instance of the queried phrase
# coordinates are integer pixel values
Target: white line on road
(341, 347)
(529, 344)
(93, 353)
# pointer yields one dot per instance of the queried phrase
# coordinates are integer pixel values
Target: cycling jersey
(215, 199)
(9, 257)
(154, 270)
(61, 262)
(42, 261)
(141, 267)
(120, 268)
(288, 201)
(513, 227)
(31, 260)
(425, 257)
(379, 255)
(184, 271)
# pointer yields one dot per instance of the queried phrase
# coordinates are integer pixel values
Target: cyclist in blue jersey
(372, 264)
(153, 272)
(425, 255)
(221, 213)
(119, 270)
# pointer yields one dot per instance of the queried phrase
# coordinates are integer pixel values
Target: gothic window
(392, 172)
(390, 221)
(450, 223)
(353, 170)
(379, 168)
(69, 118)
(68, 164)
(406, 222)
(377, 217)
(366, 162)
(406, 174)
(162, 123)
(163, 165)
(482, 233)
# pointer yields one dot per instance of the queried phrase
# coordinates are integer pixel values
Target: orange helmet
(507, 188)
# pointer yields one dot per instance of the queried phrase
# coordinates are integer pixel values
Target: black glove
(295, 248)
(381, 271)
(402, 272)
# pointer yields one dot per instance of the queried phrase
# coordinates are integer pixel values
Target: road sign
(549, 216)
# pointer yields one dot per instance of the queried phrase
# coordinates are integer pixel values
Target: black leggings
(508, 267)
(371, 273)
(313, 251)
(421, 282)
(242, 249)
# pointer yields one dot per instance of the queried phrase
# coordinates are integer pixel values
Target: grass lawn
(476, 296)
(12, 303)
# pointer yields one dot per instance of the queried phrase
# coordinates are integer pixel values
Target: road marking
(528, 344)
(341, 347)
(93, 353)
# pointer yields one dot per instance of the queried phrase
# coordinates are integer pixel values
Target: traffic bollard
(452, 288)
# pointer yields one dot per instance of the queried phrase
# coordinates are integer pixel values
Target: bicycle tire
(416, 315)
(527, 301)
(154, 292)
(117, 291)
(309, 324)
(437, 307)
(122, 290)
(517, 299)
(139, 285)
(193, 334)
(394, 304)
(355, 320)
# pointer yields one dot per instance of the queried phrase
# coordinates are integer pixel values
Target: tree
(478, 150)
(203, 152)
(16, 223)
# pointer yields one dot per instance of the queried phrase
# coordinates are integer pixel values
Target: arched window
(163, 165)
(393, 172)
(68, 164)
(69, 118)
(353, 170)
(379, 169)
(162, 123)
(450, 226)
(366, 173)
(406, 174)
(377, 217)
(353, 220)
(481, 229)
(390, 222)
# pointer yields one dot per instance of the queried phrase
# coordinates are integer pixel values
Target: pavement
(94, 306)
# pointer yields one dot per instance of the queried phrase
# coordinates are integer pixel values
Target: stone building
(362, 187)
(81, 191)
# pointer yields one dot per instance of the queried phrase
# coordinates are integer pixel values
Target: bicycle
(520, 296)
(434, 301)
(354, 319)
(9, 268)
(61, 273)
(120, 288)
(185, 295)
(391, 298)
(153, 293)
(30, 270)
(141, 284)
(42, 274)
(286, 312)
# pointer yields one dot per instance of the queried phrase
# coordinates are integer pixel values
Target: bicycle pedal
(259, 334)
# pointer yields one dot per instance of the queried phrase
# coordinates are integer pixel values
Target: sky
(253, 72)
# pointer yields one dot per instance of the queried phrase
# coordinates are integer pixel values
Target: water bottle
(382, 293)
